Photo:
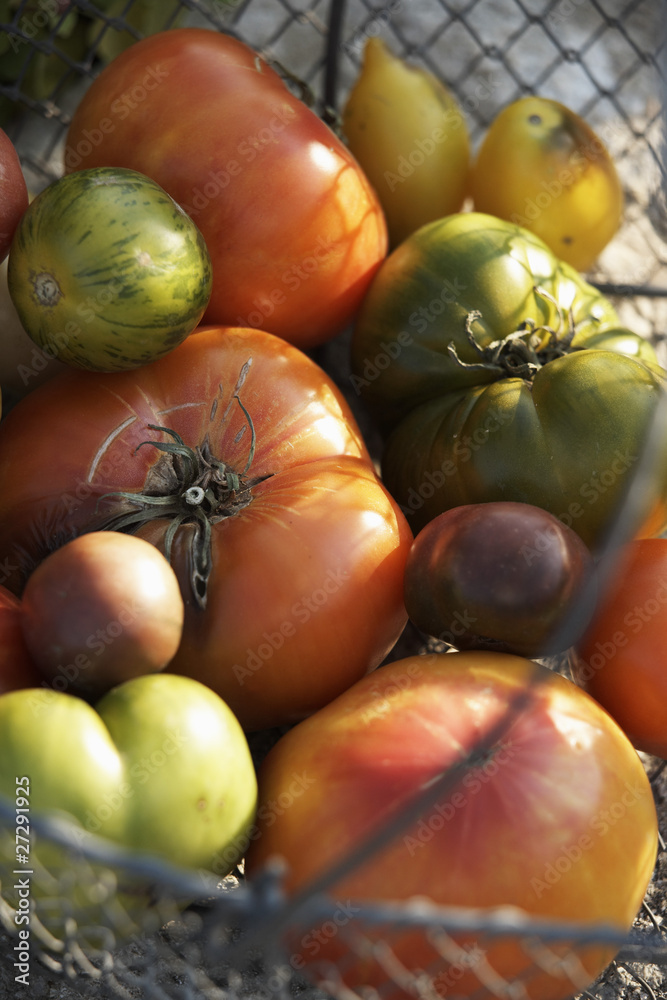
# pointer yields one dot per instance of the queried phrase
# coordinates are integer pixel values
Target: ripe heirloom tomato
(100, 610)
(554, 816)
(294, 229)
(542, 166)
(622, 658)
(289, 550)
(13, 192)
(466, 349)
(503, 576)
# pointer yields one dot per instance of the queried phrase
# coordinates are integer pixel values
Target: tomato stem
(522, 353)
(202, 490)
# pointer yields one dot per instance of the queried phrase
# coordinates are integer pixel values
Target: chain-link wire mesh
(108, 923)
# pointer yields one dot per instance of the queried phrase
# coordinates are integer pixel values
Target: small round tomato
(542, 166)
(117, 295)
(622, 658)
(100, 610)
(13, 192)
(501, 576)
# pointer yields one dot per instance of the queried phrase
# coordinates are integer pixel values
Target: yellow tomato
(408, 133)
(541, 166)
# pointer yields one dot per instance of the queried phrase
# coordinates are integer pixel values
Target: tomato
(289, 551)
(160, 764)
(13, 192)
(294, 229)
(408, 133)
(621, 660)
(553, 814)
(470, 363)
(100, 610)
(116, 296)
(542, 166)
(502, 576)
(17, 668)
(22, 364)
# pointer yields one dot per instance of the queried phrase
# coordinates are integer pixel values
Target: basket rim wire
(262, 908)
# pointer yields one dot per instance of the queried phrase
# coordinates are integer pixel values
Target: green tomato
(567, 441)
(159, 764)
(468, 276)
(422, 300)
(107, 272)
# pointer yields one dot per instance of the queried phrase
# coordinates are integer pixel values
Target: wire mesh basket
(112, 923)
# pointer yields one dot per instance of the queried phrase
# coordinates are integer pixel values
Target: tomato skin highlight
(320, 528)
(621, 659)
(528, 825)
(293, 256)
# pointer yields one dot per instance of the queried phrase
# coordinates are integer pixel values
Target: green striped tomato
(107, 272)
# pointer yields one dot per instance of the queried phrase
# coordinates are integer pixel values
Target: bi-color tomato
(294, 229)
(553, 814)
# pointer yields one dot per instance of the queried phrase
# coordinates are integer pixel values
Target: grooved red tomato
(294, 229)
(289, 550)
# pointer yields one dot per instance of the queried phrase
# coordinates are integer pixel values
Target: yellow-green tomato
(160, 764)
(407, 131)
(543, 167)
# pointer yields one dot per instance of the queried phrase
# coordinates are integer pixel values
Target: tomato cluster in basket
(197, 543)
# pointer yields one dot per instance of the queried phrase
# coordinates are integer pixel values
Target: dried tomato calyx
(522, 353)
(186, 486)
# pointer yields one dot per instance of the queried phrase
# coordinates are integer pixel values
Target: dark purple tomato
(504, 576)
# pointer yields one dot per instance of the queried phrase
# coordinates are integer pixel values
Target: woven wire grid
(604, 61)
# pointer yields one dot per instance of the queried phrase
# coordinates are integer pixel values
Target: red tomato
(304, 586)
(555, 817)
(100, 610)
(17, 669)
(622, 658)
(294, 229)
(13, 193)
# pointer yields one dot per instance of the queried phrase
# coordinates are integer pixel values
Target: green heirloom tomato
(160, 764)
(423, 296)
(567, 441)
(467, 281)
(107, 272)
(499, 373)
